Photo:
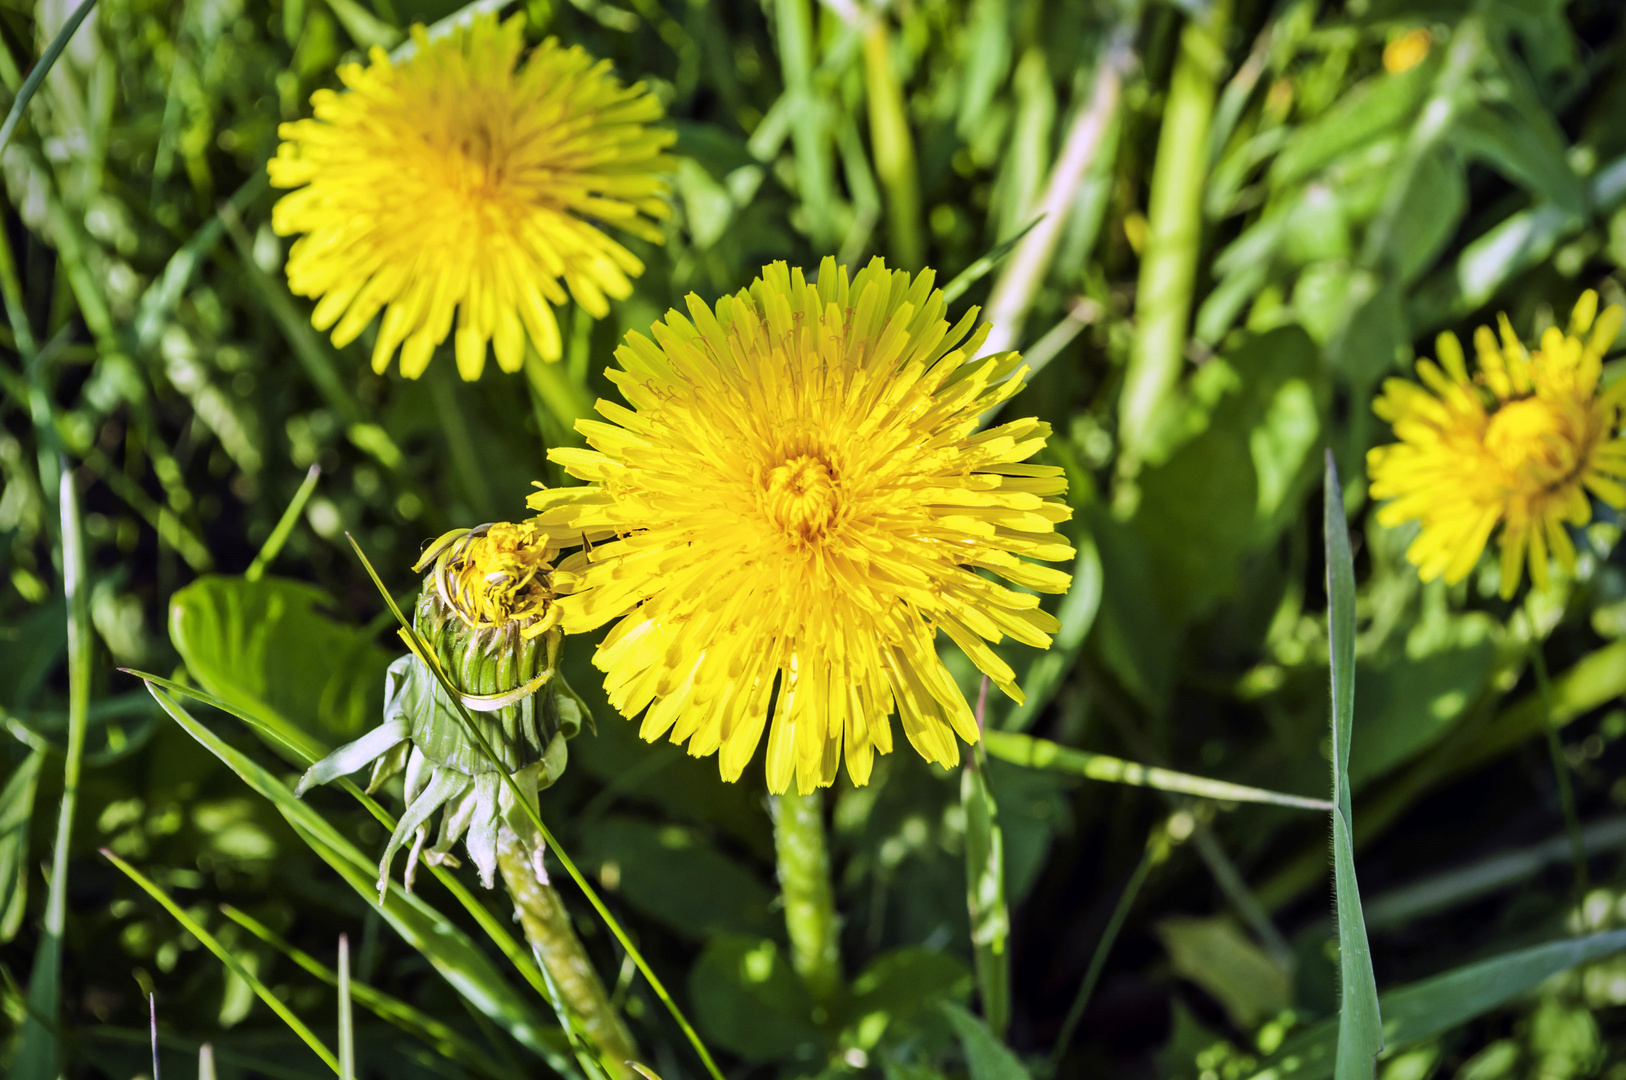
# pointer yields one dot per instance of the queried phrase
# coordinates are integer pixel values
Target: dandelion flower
(487, 611)
(798, 497)
(1516, 444)
(464, 180)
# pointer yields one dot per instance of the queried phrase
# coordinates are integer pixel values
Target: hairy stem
(547, 927)
(804, 879)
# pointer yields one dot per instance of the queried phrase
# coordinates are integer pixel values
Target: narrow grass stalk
(420, 649)
(560, 952)
(1154, 854)
(804, 881)
(347, 1028)
(567, 400)
(1020, 280)
(1043, 754)
(894, 147)
(1168, 268)
(31, 85)
(985, 884)
(285, 525)
(39, 1056)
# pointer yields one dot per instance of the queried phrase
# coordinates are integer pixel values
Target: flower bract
(466, 182)
(488, 617)
(796, 501)
(1520, 444)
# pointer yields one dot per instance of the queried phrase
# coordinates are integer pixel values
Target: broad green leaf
(1217, 956)
(675, 875)
(445, 946)
(985, 892)
(1408, 702)
(747, 998)
(985, 1056)
(16, 811)
(1369, 111)
(1241, 465)
(266, 647)
(1360, 1035)
(1437, 1005)
(1430, 213)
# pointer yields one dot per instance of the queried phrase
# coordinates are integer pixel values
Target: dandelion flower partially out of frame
(1519, 444)
(465, 181)
(799, 498)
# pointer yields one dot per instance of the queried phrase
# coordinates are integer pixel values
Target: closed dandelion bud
(487, 614)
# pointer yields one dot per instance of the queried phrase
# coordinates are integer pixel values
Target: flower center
(801, 497)
(1529, 435)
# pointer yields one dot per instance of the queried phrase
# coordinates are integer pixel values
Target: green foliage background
(1194, 367)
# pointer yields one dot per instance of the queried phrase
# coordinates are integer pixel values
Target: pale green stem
(547, 927)
(804, 881)
(893, 146)
(1168, 268)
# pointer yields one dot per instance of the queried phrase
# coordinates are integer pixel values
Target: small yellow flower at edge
(1517, 444)
(798, 500)
(464, 183)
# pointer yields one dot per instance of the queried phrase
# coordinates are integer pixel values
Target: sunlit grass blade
(980, 268)
(285, 525)
(1076, 615)
(347, 1030)
(446, 948)
(426, 656)
(41, 69)
(1434, 1006)
(224, 955)
(39, 1056)
(1036, 753)
(1360, 1031)
(985, 883)
(447, 1041)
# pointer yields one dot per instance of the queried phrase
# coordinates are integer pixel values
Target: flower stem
(804, 879)
(547, 927)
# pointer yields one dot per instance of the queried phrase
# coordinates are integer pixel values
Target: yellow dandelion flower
(465, 181)
(1518, 443)
(799, 498)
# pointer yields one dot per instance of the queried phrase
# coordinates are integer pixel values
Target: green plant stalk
(1156, 852)
(1168, 267)
(547, 927)
(804, 881)
(419, 648)
(39, 1055)
(1035, 753)
(894, 148)
(566, 399)
(1561, 769)
(814, 164)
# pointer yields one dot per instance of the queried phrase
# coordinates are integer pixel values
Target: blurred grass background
(1214, 228)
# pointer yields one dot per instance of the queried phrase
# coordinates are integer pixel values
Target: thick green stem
(1168, 268)
(547, 927)
(804, 880)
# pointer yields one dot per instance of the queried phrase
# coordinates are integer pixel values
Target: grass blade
(1035, 753)
(1435, 1006)
(39, 1057)
(16, 811)
(285, 525)
(985, 884)
(447, 1041)
(236, 966)
(446, 948)
(1360, 1031)
(347, 1030)
(31, 85)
